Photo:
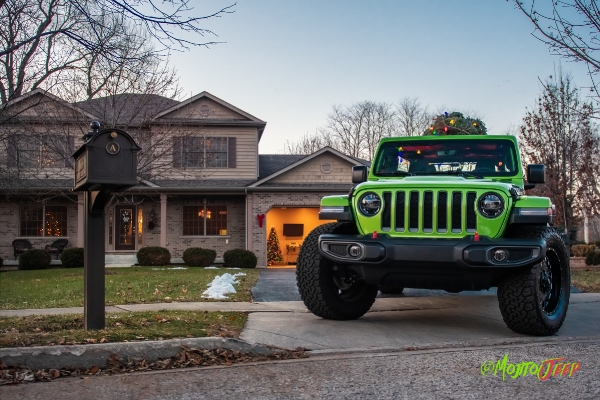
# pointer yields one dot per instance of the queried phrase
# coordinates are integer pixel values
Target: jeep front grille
(429, 211)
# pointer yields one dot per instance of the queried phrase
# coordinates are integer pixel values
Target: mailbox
(107, 160)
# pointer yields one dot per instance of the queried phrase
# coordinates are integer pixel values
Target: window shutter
(231, 153)
(176, 152)
(12, 151)
(69, 150)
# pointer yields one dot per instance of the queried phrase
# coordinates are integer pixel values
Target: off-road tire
(315, 279)
(524, 305)
(391, 289)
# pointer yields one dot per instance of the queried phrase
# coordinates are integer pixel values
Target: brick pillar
(249, 221)
(163, 220)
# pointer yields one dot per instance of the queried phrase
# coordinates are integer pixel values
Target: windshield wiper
(464, 174)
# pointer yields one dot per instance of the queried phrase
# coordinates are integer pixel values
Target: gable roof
(128, 108)
(268, 164)
(45, 94)
(247, 119)
(305, 159)
(213, 98)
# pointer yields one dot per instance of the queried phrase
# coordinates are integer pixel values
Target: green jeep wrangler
(440, 212)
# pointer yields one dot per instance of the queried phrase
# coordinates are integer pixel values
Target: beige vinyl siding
(313, 171)
(246, 154)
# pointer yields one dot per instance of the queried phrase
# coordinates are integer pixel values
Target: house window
(204, 152)
(43, 221)
(205, 220)
(40, 151)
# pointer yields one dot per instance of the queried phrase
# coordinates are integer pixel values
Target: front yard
(63, 287)
(586, 279)
(49, 330)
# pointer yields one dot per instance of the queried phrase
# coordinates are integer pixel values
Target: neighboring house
(202, 182)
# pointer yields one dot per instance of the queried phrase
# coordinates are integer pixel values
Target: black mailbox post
(104, 164)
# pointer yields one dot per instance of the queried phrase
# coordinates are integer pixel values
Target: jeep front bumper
(465, 253)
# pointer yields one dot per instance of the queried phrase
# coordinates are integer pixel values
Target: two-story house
(202, 182)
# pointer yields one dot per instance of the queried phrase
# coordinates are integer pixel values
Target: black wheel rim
(349, 288)
(550, 282)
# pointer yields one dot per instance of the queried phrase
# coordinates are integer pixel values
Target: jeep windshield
(468, 158)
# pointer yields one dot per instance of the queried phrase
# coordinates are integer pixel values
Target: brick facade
(9, 221)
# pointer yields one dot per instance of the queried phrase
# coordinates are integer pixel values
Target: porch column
(80, 219)
(163, 220)
(249, 221)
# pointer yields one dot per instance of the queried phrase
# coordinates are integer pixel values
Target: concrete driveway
(418, 318)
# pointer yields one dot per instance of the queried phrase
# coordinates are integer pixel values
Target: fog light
(500, 255)
(355, 251)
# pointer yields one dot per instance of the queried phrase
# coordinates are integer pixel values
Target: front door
(125, 227)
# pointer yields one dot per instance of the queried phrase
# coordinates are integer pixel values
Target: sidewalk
(278, 306)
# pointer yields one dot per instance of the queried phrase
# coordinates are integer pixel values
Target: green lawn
(586, 279)
(44, 330)
(62, 287)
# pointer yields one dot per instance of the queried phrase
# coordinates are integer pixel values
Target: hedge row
(582, 250)
(197, 257)
(593, 258)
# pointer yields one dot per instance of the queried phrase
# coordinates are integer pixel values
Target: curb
(86, 356)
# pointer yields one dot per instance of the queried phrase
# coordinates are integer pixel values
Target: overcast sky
(288, 61)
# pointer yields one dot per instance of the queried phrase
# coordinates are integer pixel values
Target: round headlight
(490, 205)
(369, 204)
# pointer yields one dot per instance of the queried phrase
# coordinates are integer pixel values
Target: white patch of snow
(178, 268)
(157, 269)
(211, 267)
(221, 286)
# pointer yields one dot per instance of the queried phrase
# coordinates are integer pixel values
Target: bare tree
(308, 143)
(40, 42)
(571, 29)
(560, 134)
(412, 117)
(358, 128)
(172, 23)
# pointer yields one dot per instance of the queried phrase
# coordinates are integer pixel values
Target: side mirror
(536, 173)
(359, 173)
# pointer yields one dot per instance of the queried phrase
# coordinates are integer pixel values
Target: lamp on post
(152, 220)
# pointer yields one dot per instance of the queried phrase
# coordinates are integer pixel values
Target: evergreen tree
(456, 124)
(274, 254)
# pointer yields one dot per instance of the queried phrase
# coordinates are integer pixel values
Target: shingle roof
(271, 163)
(201, 183)
(127, 108)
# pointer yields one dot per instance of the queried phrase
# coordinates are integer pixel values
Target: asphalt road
(440, 374)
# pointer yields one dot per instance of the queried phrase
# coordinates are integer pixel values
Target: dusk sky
(288, 62)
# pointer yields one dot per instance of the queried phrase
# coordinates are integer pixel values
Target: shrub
(197, 257)
(72, 258)
(34, 259)
(582, 250)
(593, 258)
(240, 258)
(153, 256)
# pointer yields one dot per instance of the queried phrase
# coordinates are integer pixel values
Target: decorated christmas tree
(455, 124)
(273, 251)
